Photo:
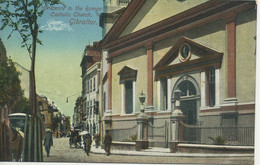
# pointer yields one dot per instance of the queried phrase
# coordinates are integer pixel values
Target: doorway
(189, 104)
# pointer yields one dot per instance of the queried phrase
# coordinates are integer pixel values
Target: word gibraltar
(82, 22)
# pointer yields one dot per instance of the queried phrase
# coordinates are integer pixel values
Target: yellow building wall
(47, 114)
(212, 35)
(246, 56)
(154, 11)
(136, 59)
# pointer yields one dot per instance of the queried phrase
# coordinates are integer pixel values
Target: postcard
(128, 81)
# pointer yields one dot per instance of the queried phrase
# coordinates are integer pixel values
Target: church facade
(205, 49)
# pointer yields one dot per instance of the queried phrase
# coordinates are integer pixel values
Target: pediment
(153, 12)
(186, 54)
(127, 73)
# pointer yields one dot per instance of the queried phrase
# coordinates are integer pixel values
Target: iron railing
(158, 133)
(123, 133)
(232, 135)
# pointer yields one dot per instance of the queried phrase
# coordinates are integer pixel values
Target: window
(90, 87)
(94, 83)
(84, 87)
(93, 107)
(212, 85)
(187, 88)
(87, 107)
(128, 97)
(164, 96)
(90, 107)
(128, 79)
(87, 86)
(104, 101)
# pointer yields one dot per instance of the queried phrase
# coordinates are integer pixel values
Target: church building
(205, 48)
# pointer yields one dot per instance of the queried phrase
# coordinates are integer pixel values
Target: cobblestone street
(61, 152)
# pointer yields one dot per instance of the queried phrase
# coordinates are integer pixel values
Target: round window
(184, 52)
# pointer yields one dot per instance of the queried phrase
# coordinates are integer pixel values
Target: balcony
(124, 2)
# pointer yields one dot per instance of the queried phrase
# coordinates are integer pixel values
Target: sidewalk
(165, 152)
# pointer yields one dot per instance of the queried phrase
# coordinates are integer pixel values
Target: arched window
(187, 88)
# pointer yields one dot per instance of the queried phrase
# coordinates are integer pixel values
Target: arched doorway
(189, 104)
(189, 101)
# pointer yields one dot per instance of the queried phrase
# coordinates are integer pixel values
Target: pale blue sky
(58, 72)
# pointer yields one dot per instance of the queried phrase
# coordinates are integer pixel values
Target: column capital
(231, 17)
(109, 60)
(149, 45)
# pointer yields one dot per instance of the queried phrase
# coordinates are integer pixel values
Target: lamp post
(176, 118)
(142, 122)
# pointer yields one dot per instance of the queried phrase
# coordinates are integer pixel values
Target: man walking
(107, 142)
(48, 142)
(87, 143)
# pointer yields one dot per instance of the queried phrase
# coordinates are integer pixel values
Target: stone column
(142, 137)
(149, 48)
(231, 57)
(176, 127)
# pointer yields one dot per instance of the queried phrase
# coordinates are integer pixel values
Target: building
(90, 65)
(203, 48)
(46, 111)
(79, 114)
(66, 125)
(50, 113)
(24, 77)
(112, 10)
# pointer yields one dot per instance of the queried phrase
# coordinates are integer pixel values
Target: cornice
(184, 21)
(230, 108)
(231, 17)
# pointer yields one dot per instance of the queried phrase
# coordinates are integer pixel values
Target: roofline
(189, 19)
(125, 18)
(21, 66)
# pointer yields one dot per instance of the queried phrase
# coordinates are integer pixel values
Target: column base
(141, 144)
(149, 108)
(173, 146)
(230, 101)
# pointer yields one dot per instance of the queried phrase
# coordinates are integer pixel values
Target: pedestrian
(59, 134)
(107, 142)
(48, 142)
(97, 139)
(87, 143)
(71, 139)
(78, 140)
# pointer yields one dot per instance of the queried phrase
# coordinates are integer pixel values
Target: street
(61, 152)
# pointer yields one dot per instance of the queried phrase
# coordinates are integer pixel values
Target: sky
(67, 30)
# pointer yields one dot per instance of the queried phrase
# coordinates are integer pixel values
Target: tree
(22, 105)
(22, 17)
(11, 92)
